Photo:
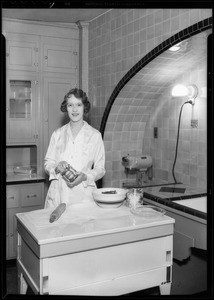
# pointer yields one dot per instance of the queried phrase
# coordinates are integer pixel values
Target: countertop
(85, 220)
(173, 195)
(175, 198)
(12, 178)
(199, 204)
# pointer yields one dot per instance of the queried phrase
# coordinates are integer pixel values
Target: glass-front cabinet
(22, 99)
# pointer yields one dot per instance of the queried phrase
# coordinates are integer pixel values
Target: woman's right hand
(61, 167)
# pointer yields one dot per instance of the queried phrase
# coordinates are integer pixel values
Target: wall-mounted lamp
(191, 91)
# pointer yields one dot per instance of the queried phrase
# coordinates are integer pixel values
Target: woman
(76, 144)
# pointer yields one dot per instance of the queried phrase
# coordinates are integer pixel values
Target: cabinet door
(12, 229)
(21, 198)
(22, 52)
(12, 236)
(7, 233)
(31, 194)
(22, 99)
(12, 196)
(12, 204)
(60, 55)
(54, 92)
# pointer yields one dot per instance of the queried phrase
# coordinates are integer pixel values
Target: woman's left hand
(81, 177)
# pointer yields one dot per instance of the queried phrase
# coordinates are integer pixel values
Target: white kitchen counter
(195, 203)
(12, 178)
(94, 251)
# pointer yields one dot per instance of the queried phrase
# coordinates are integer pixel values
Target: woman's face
(75, 109)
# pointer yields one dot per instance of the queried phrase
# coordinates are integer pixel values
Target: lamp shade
(180, 90)
(192, 91)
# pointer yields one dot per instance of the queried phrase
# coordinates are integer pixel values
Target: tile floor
(12, 279)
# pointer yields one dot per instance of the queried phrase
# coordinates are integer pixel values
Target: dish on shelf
(148, 211)
(21, 170)
(109, 197)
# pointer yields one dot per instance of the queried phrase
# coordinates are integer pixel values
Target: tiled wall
(117, 41)
(191, 163)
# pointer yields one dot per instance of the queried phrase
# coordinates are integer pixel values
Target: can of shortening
(70, 174)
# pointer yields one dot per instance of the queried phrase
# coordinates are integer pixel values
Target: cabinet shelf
(21, 108)
(20, 99)
(26, 99)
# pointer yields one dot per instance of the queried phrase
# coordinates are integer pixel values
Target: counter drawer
(86, 267)
(31, 195)
(12, 196)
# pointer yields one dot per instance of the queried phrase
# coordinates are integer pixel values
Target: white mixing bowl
(109, 197)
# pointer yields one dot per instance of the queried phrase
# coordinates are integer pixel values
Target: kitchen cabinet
(22, 91)
(59, 75)
(12, 232)
(22, 52)
(54, 91)
(20, 198)
(59, 55)
(22, 108)
(45, 58)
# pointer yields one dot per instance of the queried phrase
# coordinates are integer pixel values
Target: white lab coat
(82, 153)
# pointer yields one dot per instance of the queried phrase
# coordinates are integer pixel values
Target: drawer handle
(31, 196)
(12, 197)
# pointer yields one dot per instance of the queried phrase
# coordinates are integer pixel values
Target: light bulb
(179, 91)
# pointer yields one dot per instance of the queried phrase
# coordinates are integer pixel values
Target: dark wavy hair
(78, 93)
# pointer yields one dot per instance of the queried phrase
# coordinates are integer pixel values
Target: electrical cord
(176, 149)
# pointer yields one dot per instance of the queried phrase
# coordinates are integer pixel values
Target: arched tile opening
(127, 112)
